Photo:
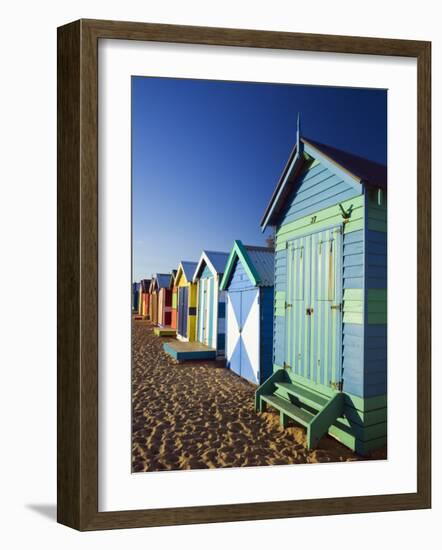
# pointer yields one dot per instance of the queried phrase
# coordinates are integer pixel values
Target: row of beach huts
(305, 319)
(220, 306)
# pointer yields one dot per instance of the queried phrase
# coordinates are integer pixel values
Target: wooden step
(305, 395)
(285, 407)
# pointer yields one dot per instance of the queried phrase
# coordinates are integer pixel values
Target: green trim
(239, 251)
(324, 219)
(326, 214)
(366, 418)
(353, 294)
(356, 445)
(377, 318)
(353, 318)
(362, 429)
(377, 294)
(377, 225)
(353, 306)
(364, 432)
(268, 386)
(325, 390)
(366, 404)
(360, 403)
(377, 306)
(322, 421)
(279, 305)
(377, 214)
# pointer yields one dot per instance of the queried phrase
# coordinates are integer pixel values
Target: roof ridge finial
(298, 131)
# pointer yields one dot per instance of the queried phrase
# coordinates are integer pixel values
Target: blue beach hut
(248, 282)
(329, 213)
(210, 322)
(135, 297)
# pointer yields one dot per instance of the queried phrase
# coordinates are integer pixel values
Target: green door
(313, 347)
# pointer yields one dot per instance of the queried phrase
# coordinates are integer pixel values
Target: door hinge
(336, 306)
(336, 385)
(285, 365)
(286, 305)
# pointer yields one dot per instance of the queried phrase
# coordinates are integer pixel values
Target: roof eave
(290, 166)
(239, 251)
(203, 258)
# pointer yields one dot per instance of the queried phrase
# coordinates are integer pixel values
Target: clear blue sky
(206, 156)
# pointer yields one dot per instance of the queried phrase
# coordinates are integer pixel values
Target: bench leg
(262, 405)
(283, 420)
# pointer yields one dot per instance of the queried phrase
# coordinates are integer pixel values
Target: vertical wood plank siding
(240, 284)
(314, 207)
(216, 311)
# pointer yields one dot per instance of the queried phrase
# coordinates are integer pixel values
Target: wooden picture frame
(77, 225)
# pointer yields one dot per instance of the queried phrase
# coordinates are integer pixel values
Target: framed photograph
(243, 274)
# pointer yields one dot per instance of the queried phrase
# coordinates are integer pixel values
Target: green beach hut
(329, 214)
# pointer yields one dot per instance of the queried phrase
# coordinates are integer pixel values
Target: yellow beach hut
(186, 301)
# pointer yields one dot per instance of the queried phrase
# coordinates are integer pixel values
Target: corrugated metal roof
(368, 171)
(263, 260)
(218, 260)
(163, 280)
(189, 269)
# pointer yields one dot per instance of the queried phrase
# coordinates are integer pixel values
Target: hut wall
(173, 313)
(211, 312)
(153, 307)
(164, 307)
(254, 360)
(190, 322)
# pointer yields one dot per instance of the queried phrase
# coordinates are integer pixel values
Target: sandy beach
(201, 415)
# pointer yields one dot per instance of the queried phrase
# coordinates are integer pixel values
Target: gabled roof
(145, 285)
(356, 170)
(366, 171)
(216, 261)
(187, 269)
(258, 263)
(159, 280)
(163, 280)
(172, 278)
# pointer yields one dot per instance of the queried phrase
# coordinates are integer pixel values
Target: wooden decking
(164, 331)
(189, 351)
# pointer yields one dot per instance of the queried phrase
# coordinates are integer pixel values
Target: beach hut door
(243, 333)
(313, 307)
(183, 303)
(204, 311)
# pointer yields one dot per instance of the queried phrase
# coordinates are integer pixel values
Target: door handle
(309, 311)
